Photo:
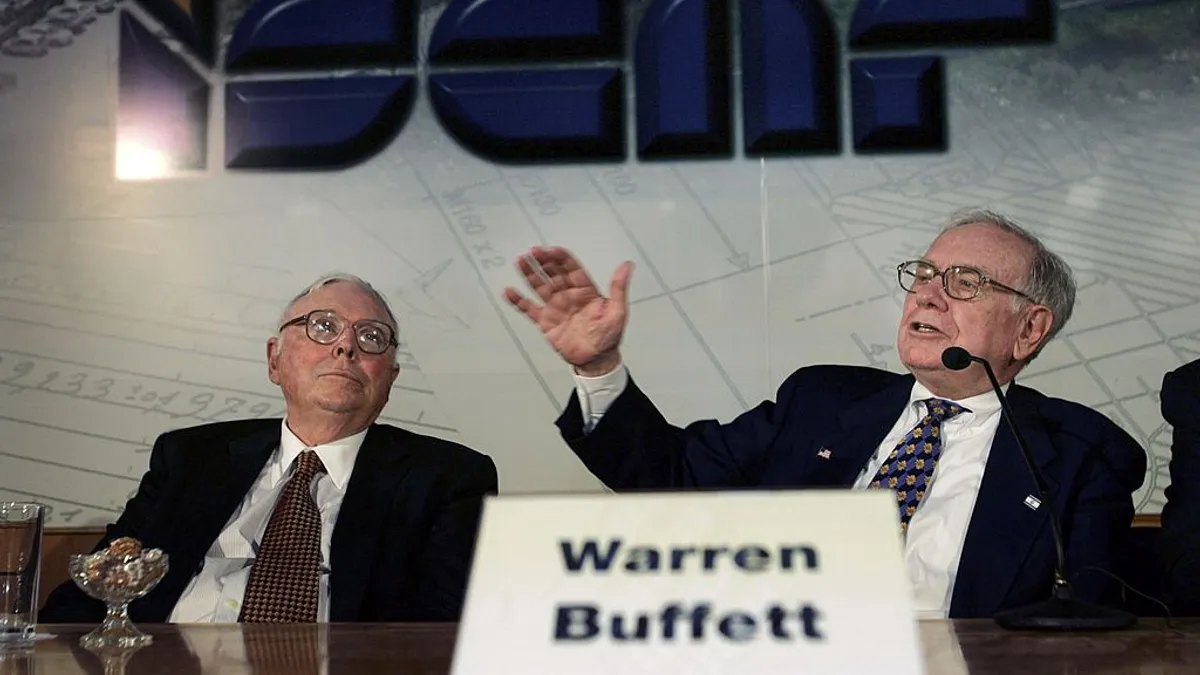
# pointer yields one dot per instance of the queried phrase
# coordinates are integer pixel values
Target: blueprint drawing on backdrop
(128, 308)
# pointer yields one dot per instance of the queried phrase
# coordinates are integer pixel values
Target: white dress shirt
(938, 529)
(215, 592)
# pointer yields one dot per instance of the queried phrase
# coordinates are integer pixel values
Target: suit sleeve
(1180, 539)
(446, 561)
(68, 604)
(634, 447)
(1096, 532)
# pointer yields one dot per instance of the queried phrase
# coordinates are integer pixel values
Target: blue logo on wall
(545, 81)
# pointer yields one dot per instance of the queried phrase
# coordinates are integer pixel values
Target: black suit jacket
(1008, 558)
(401, 549)
(1179, 542)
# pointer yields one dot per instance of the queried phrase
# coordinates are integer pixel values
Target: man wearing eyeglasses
(976, 541)
(324, 515)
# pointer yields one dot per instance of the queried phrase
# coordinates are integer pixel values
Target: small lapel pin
(824, 453)
(1032, 502)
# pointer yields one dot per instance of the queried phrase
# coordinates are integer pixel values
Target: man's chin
(340, 404)
(921, 360)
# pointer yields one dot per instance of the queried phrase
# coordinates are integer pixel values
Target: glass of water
(21, 526)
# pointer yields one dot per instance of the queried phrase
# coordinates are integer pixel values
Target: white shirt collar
(338, 456)
(982, 406)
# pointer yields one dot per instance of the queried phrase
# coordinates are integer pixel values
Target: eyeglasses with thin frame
(960, 282)
(324, 326)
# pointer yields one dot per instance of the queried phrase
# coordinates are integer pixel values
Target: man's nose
(344, 345)
(931, 294)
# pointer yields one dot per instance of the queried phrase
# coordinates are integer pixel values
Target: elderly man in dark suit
(321, 516)
(977, 538)
(1179, 541)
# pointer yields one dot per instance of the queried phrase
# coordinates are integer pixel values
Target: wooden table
(951, 648)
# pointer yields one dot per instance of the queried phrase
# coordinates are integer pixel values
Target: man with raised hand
(976, 541)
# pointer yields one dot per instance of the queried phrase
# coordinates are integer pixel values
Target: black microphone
(1062, 611)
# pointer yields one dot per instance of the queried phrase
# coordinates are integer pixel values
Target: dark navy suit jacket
(401, 549)
(1091, 465)
(1179, 542)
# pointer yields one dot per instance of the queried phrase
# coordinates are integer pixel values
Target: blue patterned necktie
(909, 469)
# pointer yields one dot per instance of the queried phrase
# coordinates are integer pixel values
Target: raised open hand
(582, 325)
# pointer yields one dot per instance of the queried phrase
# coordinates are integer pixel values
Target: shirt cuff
(596, 394)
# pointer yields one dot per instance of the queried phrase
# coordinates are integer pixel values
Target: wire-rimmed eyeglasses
(960, 282)
(323, 326)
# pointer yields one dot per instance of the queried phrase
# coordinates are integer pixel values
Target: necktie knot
(941, 410)
(308, 465)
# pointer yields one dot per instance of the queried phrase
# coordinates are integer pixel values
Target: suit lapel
(218, 489)
(366, 506)
(1003, 527)
(840, 456)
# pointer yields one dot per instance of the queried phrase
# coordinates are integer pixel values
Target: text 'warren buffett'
(678, 621)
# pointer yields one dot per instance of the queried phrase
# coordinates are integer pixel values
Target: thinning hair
(1049, 279)
(335, 278)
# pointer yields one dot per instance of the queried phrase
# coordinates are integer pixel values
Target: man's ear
(1034, 329)
(273, 348)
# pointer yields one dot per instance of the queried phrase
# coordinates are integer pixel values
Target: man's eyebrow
(370, 319)
(982, 269)
(384, 322)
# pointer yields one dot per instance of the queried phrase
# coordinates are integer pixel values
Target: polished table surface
(974, 647)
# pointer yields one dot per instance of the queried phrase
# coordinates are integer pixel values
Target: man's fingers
(550, 255)
(525, 305)
(618, 290)
(515, 298)
(555, 273)
(573, 273)
(536, 276)
(562, 267)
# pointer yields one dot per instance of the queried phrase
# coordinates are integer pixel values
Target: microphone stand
(1062, 611)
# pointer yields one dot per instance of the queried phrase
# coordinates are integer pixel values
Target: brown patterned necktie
(286, 574)
(295, 650)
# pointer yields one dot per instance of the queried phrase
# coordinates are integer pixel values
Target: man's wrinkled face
(995, 325)
(339, 377)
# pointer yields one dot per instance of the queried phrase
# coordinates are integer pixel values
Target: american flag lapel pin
(824, 453)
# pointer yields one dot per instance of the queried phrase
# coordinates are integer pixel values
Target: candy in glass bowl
(116, 576)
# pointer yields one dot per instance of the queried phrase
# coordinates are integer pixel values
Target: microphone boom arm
(1062, 611)
(1043, 491)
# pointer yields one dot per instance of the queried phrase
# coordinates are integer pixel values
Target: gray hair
(341, 277)
(1049, 281)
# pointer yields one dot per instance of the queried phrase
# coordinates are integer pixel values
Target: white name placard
(695, 582)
